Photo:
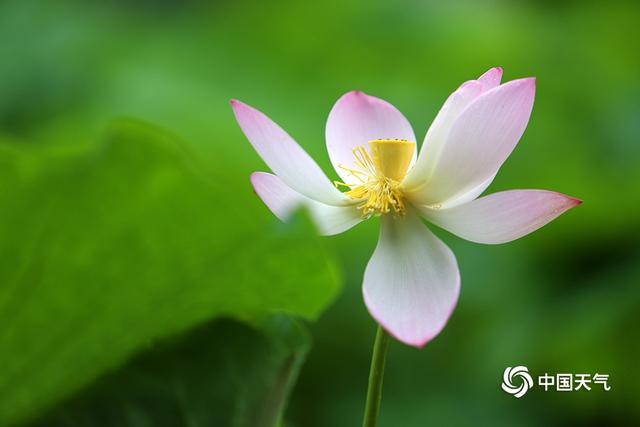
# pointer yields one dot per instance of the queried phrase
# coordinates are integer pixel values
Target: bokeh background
(564, 299)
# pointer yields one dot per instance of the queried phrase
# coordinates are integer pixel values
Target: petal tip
(493, 71)
(254, 176)
(524, 82)
(568, 201)
(256, 179)
(414, 341)
(354, 94)
(237, 105)
(574, 201)
(491, 78)
(525, 86)
(419, 342)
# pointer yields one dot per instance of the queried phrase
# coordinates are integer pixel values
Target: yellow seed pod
(392, 157)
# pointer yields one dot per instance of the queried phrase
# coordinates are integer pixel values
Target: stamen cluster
(379, 194)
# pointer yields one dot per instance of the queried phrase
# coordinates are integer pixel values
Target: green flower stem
(374, 391)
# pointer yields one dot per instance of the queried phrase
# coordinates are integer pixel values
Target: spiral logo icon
(521, 375)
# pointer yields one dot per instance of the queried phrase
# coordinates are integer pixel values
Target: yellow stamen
(379, 176)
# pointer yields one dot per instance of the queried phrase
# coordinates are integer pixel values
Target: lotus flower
(412, 281)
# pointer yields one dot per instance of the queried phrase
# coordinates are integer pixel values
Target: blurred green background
(122, 241)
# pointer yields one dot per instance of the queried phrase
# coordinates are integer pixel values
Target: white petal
(466, 196)
(502, 217)
(480, 140)
(437, 134)
(412, 282)
(435, 139)
(358, 118)
(285, 157)
(283, 201)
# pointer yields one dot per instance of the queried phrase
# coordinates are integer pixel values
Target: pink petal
(356, 119)
(480, 140)
(412, 282)
(283, 201)
(491, 78)
(502, 217)
(285, 157)
(434, 141)
(436, 138)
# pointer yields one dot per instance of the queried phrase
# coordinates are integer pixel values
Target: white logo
(558, 382)
(520, 374)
